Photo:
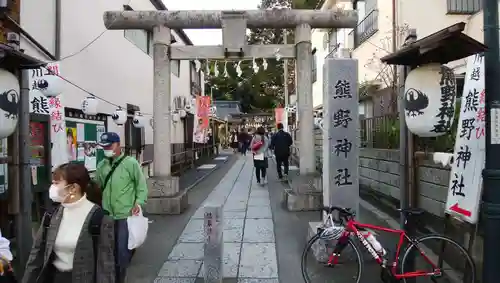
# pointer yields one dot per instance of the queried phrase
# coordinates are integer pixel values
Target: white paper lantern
(119, 117)
(90, 105)
(213, 110)
(189, 108)
(182, 113)
(176, 117)
(139, 121)
(9, 103)
(429, 104)
(50, 85)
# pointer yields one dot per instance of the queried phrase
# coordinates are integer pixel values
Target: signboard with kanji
(42, 105)
(464, 193)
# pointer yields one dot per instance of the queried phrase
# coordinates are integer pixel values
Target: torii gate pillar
(165, 197)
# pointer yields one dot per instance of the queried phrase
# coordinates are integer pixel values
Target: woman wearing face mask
(75, 243)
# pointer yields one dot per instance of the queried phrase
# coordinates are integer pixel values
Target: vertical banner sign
(464, 194)
(40, 104)
(340, 136)
(278, 115)
(201, 125)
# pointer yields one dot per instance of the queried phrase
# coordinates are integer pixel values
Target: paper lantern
(429, 100)
(50, 85)
(139, 121)
(9, 103)
(189, 108)
(119, 117)
(176, 117)
(213, 110)
(291, 108)
(182, 113)
(89, 105)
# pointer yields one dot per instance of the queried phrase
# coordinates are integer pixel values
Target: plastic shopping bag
(137, 230)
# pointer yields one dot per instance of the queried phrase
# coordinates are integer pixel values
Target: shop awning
(16, 59)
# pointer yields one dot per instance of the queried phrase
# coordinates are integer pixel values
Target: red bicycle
(333, 249)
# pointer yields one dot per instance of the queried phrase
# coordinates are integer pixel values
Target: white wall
(112, 67)
(317, 40)
(409, 12)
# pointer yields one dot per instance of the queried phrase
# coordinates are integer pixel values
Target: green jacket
(126, 187)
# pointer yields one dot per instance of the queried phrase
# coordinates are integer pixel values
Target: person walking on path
(124, 191)
(243, 141)
(259, 146)
(75, 242)
(234, 141)
(280, 143)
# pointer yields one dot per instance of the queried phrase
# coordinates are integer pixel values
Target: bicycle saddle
(411, 211)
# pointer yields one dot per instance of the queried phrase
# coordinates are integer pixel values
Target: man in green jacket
(124, 191)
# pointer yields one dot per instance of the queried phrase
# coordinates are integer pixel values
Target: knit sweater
(74, 215)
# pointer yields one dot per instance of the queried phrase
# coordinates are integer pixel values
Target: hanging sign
(464, 194)
(202, 110)
(51, 106)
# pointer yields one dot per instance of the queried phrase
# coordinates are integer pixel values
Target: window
(463, 7)
(365, 29)
(175, 66)
(140, 38)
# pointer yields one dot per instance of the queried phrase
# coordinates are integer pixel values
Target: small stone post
(213, 247)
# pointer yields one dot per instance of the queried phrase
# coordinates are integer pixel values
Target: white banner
(40, 104)
(464, 194)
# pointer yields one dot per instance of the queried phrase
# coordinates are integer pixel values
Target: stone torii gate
(164, 193)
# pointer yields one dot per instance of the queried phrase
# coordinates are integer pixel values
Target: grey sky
(209, 37)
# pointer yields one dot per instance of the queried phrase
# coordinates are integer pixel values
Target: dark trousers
(282, 160)
(243, 148)
(260, 173)
(122, 254)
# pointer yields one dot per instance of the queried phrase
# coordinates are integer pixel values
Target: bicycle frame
(353, 228)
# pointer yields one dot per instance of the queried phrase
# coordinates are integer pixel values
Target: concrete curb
(199, 180)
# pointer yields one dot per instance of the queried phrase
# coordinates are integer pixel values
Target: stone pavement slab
(249, 242)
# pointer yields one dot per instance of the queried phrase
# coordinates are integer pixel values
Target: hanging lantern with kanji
(429, 100)
(9, 103)
(119, 117)
(90, 105)
(50, 85)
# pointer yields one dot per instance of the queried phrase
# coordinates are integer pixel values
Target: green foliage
(262, 91)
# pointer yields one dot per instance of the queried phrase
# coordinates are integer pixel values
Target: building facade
(115, 66)
(382, 23)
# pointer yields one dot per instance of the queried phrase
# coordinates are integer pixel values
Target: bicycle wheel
(444, 253)
(315, 257)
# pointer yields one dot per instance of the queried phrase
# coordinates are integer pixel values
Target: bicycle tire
(310, 243)
(421, 239)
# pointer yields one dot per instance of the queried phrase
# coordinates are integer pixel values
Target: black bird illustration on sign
(415, 102)
(9, 102)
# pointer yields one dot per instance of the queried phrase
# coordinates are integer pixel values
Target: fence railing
(365, 29)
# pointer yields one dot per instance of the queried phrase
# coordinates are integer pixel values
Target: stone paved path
(249, 241)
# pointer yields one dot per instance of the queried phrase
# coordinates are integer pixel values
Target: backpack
(94, 227)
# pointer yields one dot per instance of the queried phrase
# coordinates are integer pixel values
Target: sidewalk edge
(206, 175)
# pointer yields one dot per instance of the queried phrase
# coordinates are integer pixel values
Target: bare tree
(387, 76)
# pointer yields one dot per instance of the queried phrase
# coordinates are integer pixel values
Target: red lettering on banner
(56, 115)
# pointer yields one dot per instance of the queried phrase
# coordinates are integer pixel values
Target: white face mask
(109, 153)
(55, 193)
